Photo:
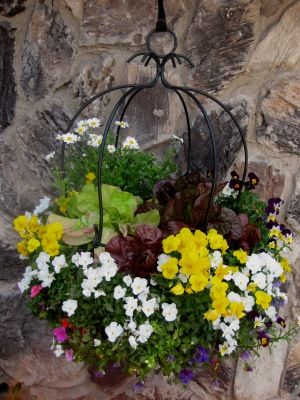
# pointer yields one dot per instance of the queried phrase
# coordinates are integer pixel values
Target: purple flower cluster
(237, 184)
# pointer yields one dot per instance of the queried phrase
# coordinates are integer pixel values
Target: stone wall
(56, 54)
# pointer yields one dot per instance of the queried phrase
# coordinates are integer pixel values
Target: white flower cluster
(95, 275)
(262, 270)
(137, 299)
(44, 271)
(83, 127)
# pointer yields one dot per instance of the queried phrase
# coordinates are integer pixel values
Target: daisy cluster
(85, 131)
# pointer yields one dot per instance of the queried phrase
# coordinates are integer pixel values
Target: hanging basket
(171, 279)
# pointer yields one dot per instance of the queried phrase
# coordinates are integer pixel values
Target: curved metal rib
(212, 138)
(234, 121)
(213, 143)
(124, 112)
(188, 128)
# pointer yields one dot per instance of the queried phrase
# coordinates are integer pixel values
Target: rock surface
(218, 42)
(7, 74)
(47, 42)
(226, 136)
(127, 24)
(9, 8)
(280, 114)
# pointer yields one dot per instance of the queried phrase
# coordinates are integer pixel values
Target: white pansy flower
(232, 296)
(144, 295)
(42, 260)
(253, 263)
(43, 205)
(144, 332)
(271, 313)
(69, 306)
(50, 156)
(149, 306)
(69, 138)
(109, 270)
(46, 277)
(27, 278)
(93, 122)
(111, 148)
(258, 322)
(169, 311)
(97, 342)
(113, 331)
(75, 259)
(139, 285)
(132, 325)
(130, 143)
(260, 280)
(59, 262)
(161, 260)
(127, 280)
(84, 259)
(122, 124)
(183, 278)
(228, 191)
(132, 342)
(215, 259)
(130, 306)
(58, 350)
(119, 292)
(153, 282)
(248, 302)
(98, 293)
(240, 280)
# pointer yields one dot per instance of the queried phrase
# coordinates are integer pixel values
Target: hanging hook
(161, 24)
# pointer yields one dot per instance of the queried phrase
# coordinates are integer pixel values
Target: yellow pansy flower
(286, 265)
(236, 309)
(32, 245)
(170, 244)
(220, 304)
(33, 224)
(20, 223)
(22, 249)
(263, 299)
(170, 268)
(198, 282)
(211, 315)
(241, 255)
(200, 238)
(177, 289)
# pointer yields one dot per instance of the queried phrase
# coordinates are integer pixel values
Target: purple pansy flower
(201, 355)
(186, 375)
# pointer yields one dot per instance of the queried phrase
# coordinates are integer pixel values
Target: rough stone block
(279, 124)
(47, 48)
(7, 74)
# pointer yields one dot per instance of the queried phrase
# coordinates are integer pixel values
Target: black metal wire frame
(126, 99)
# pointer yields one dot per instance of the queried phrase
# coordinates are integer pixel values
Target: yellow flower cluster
(37, 236)
(194, 261)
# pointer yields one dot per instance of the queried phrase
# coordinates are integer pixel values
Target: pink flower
(60, 334)
(35, 290)
(69, 355)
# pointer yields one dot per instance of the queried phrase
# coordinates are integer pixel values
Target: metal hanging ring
(151, 35)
